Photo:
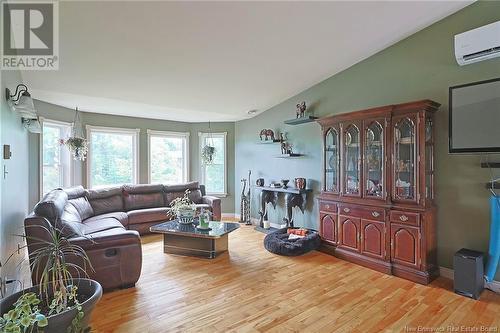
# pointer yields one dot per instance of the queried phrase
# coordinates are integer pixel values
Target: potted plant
(207, 154)
(61, 302)
(184, 208)
(76, 143)
(77, 146)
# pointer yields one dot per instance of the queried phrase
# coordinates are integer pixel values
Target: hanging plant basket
(207, 154)
(78, 147)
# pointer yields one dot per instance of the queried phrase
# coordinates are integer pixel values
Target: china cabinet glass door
(429, 159)
(405, 152)
(332, 161)
(352, 160)
(374, 160)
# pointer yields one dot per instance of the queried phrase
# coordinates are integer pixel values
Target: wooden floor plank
(251, 290)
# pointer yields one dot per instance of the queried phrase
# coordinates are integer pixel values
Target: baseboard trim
(448, 273)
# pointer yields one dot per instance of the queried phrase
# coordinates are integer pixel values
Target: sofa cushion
(106, 200)
(75, 192)
(83, 207)
(195, 196)
(52, 205)
(182, 187)
(102, 224)
(70, 223)
(148, 215)
(121, 217)
(170, 196)
(142, 196)
(172, 192)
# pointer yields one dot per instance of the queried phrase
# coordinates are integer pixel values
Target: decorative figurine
(267, 134)
(301, 109)
(300, 183)
(245, 201)
(283, 147)
(261, 220)
(285, 183)
(260, 182)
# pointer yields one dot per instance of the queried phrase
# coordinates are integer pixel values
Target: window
(113, 156)
(56, 159)
(168, 157)
(214, 175)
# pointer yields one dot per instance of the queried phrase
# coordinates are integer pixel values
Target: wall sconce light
(22, 103)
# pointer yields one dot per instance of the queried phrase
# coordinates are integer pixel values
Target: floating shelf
(490, 165)
(269, 141)
(288, 189)
(292, 155)
(301, 120)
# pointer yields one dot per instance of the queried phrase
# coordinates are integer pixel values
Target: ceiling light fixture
(21, 102)
(252, 112)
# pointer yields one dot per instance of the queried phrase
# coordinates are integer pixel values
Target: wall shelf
(292, 155)
(267, 142)
(301, 120)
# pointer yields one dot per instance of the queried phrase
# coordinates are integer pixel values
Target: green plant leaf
(41, 320)
(25, 321)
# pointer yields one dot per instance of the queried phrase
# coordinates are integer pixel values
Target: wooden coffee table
(187, 240)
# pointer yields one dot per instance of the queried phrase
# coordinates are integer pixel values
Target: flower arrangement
(78, 147)
(207, 154)
(184, 208)
(182, 203)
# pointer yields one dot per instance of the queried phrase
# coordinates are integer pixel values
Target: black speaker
(468, 278)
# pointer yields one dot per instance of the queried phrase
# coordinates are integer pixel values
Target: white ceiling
(199, 61)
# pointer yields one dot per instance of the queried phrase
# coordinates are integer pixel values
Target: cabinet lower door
(349, 233)
(329, 227)
(405, 245)
(373, 239)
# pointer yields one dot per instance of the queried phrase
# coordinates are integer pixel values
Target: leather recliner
(107, 223)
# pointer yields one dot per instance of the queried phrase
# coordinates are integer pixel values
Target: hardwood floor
(252, 290)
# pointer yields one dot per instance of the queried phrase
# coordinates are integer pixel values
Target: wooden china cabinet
(377, 201)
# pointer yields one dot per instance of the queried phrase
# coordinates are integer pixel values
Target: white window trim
(135, 131)
(169, 134)
(40, 155)
(202, 171)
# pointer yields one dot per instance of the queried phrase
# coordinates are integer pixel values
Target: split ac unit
(478, 44)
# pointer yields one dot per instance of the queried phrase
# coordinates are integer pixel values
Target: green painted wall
(55, 112)
(419, 67)
(14, 186)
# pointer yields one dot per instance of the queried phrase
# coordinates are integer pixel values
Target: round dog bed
(277, 242)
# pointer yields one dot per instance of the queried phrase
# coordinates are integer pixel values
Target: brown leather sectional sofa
(107, 223)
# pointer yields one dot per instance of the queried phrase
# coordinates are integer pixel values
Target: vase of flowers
(184, 208)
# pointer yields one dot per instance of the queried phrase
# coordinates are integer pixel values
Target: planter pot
(59, 323)
(186, 216)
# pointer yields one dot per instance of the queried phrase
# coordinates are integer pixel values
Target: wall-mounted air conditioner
(479, 44)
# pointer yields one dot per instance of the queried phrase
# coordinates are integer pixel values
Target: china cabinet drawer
(368, 213)
(405, 217)
(328, 207)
